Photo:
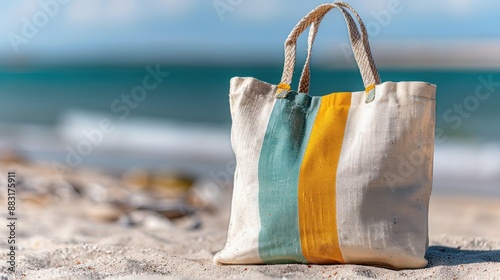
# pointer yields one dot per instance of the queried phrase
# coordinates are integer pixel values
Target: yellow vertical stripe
(317, 182)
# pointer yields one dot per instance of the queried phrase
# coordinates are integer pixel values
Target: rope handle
(305, 77)
(359, 43)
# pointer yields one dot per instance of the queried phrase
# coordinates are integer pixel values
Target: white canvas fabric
(251, 103)
(385, 170)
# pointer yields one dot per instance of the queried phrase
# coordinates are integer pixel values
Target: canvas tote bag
(342, 178)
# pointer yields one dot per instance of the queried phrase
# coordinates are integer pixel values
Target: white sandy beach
(72, 240)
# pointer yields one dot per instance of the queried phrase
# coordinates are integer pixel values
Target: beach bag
(341, 178)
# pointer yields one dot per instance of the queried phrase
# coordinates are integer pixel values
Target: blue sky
(193, 30)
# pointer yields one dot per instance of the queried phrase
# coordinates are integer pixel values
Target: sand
(61, 240)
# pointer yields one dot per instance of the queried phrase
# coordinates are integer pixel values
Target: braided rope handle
(359, 43)
(305, 77)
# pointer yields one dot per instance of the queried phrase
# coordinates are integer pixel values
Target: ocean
(184, 115)
(199, 94)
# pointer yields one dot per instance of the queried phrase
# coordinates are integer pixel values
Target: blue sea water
(199, 93)
(183, 123)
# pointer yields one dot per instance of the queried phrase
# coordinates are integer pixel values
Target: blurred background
(128, 84)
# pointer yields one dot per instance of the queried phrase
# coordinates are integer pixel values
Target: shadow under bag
(341, 178)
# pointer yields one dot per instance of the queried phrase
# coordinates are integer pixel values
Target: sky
(76, 31)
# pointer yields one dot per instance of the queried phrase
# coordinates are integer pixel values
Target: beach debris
(104, 212)
(164, 182)
(125, 220)
(206, 194)
(148, 219)
(11, 157)
(136, 177)
(195, 223)
(134, 198)
(169, 208)
(190, 223)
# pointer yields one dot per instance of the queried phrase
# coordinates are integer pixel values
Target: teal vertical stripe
(281, 156)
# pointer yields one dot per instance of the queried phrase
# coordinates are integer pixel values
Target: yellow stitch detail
(284, 86)
(369, 88)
